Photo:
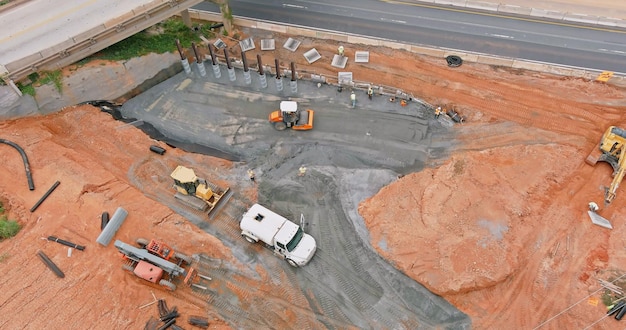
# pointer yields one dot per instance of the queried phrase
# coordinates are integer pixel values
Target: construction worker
(403, 103)
(340, 50)
(251, 175)
(353, 99)
(302, 171)
(370, 92)
(437, 112)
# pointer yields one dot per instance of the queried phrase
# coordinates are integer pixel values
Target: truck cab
(279, 234)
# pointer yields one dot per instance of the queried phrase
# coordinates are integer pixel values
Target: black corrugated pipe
(260, 64)
(104, 220)
(227, 59)
(43, 198)
(293, 71)
(245, 61)
(213, 59)
(195, 52)
(66, 243)
(277, 68)
(198, 321)
(167, 324)
(50, 264)
(180, 49)
(29, 177)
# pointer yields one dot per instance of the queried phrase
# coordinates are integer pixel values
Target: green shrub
(159, 39)
(8, 228)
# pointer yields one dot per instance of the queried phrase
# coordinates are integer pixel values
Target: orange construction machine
(156, 262)
(290, 116)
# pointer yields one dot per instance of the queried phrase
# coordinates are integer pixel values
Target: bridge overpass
(43, 35)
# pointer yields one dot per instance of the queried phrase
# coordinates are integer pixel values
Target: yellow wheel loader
(611, 151)
(197, 192)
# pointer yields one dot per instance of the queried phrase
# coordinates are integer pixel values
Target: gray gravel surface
(350, 154)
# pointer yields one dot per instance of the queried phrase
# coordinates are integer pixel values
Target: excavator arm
(618, 175)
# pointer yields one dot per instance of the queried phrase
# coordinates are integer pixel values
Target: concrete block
(581, 18)
(301, 32)
(271, 27)
(395, 45)
(364, 41)
(456, 3)
(492, 60)
(546, 13)
(540, 67)
(564, 71)
(490, 6)
(511, 9)
(331, 36)
(608, 21)
(428, 51)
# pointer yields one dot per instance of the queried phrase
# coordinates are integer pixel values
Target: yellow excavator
(611, 151)
(197, 192)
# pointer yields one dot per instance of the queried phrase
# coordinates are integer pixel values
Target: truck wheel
(183, 257)
(169, 285)
(280, 126)
(249, 239)
(142, 242)
(292, 263)
(128, 268)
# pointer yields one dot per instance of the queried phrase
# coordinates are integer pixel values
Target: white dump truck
(279, 234)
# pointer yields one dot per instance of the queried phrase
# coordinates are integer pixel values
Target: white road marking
(293, 6)
(501, 36)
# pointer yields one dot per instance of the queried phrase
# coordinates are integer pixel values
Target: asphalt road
(452, 28)
(350, 154)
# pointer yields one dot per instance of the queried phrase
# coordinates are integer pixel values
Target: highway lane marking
(62, 14)
(500, 36)
(294, 6)
(534, 20)
(392, 20)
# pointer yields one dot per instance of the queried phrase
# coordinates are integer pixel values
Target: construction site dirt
(489, 215)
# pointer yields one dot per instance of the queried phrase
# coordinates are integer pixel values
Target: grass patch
(27, 89)
(8, 228)
(54, 77)
(158, 39)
